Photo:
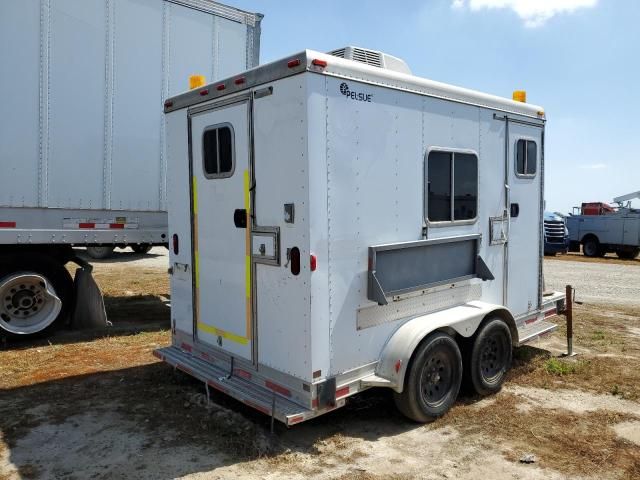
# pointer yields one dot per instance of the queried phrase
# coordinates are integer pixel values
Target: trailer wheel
(433, 381)
(141, 248)
(35, 292)
(100, 253)
(591, 247)
(490, 357)
(628, 254)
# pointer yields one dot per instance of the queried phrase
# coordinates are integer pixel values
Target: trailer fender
(463, 320)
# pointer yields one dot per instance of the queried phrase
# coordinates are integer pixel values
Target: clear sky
(579, 59)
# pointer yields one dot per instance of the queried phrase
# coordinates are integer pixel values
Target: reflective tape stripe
(221, 333)
(7, 224)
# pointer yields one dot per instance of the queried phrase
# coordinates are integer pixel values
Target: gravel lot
(598, 283)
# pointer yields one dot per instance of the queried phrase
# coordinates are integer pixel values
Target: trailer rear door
(221, 228)
(525, 153)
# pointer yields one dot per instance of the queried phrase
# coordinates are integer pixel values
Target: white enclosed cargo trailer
(340, 224)
(83, 158)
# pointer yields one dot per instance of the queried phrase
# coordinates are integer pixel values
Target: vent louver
(373, 58)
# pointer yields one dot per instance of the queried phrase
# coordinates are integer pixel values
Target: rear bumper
(535, 326)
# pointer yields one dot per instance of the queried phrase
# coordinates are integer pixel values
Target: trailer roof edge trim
(355, 71)
(225, 11)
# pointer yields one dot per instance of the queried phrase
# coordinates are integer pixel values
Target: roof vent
(373, 58)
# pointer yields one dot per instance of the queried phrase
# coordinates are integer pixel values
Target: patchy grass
(555, 366)
(570, 443)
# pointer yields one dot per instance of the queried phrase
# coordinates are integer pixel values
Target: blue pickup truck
(556, 235)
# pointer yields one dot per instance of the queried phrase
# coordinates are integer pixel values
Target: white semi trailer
(83, 157)
(339, 224)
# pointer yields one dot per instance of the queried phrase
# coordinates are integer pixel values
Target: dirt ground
(98, 405)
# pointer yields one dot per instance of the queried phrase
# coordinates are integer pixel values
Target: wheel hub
(28, 303)
(436, 379)
(492, 358)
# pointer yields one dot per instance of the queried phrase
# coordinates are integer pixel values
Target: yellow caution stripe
(221, 333)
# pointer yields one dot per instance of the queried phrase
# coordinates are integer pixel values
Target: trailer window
(218, 152)
(452, 186)
(526, 158)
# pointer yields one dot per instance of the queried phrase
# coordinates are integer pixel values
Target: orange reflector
(196, 81)
(293, 63)
(520, 96)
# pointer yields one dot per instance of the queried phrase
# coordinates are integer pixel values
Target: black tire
(141, 248)
(100, 253)
(591, 247)
(54, 272)
(489, 359)
(628, 254)
(433, 380)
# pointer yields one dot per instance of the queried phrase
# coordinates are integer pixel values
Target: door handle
(240, 218)
(515, 210)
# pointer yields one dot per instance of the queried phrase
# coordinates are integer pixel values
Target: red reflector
(294, 259)
(86, 225)
(168, 104)
(220, 87)
(277, 388)
(204, 92)
(314, 262)
(7, 224)
(116, 225)
(293, 63)
(240, 81)
(341, 392)
(176, 244)
(319, 63)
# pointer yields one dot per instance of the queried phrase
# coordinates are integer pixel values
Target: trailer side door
(524, 250)
(221, 228)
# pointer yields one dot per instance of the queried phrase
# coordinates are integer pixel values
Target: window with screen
(218, 152)
(526, 158)
(452, 186)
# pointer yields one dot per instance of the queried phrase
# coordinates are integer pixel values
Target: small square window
(452, 186)
(526, 158)
(218, 152)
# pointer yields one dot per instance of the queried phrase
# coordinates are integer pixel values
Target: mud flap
(88, 311)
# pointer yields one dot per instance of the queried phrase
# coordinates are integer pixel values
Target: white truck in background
(83, 159)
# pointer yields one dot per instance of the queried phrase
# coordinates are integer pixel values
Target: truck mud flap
(88, 311)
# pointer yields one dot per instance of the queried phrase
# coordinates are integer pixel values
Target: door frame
(509, 166)
(197, 110)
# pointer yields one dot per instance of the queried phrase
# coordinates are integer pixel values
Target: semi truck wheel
(433, 380)
(141, 248)
(591, 247)
(35, 292)
(100, 253)
(489, 360)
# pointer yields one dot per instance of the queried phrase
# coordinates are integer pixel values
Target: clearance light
(204, 92)
(196, 81)
(293, 63)
(319, 63)
(520, 96)
(220, 87)
(168, 104)
(240, 80)
(313, 262)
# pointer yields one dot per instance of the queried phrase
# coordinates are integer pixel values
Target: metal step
(260, 398)
(533, 330)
